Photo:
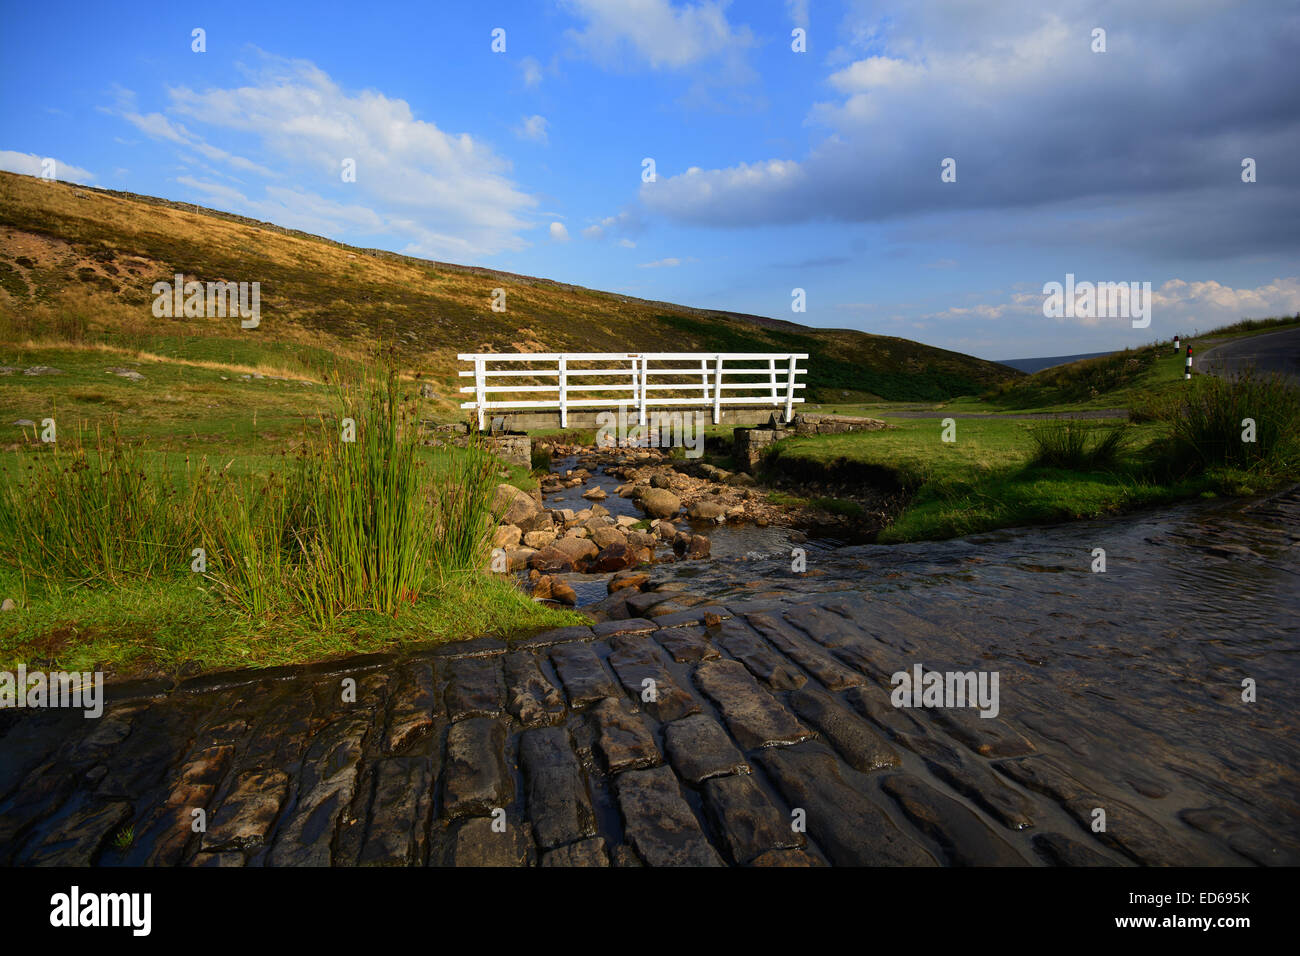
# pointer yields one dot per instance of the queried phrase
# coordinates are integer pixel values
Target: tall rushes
(1207, 427)
(358, 521)
(1075, 445)
(245, 540)
(98, 513)
(462, 502)
(363, 535)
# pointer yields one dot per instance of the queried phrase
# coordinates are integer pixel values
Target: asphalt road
(1271, 352)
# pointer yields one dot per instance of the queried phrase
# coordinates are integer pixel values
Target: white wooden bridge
(560, 381)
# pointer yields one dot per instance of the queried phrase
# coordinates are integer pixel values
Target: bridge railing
(644, 380)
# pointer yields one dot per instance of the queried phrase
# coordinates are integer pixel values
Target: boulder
(607, 535)
(640, 539)
(513, 506)
(548, 588)
(539, 539)
(517, 558)
(666, 530)
(563, 593)
(706, 510)
(687, 545)
(507, 536)
(541, 521)
(550, 560)
(615, 557)
(627, 579)
(595, 494)
(660, 481)
(577, 549)
(660, 503)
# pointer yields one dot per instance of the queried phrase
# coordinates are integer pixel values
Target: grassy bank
(354, 538)
(1004, 472)
(1130, 379)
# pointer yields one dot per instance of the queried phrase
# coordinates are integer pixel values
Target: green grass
(1249, 423)
(342, 547)
(175, 627)
(1077, 445)
(1003, 472)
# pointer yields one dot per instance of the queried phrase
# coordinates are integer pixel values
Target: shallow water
(744, 541)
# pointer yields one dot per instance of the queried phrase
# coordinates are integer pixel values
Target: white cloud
(668, 263)
(624, 222)
(559, 233)
(446, 194)
(874, 73)
(532, 72)
(31, 165)
(657, 32)
(1205, 304)
(160, 127)
(1035, 120)
(1279, 297)
(533, 128)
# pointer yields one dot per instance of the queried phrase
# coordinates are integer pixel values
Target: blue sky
(775, 169)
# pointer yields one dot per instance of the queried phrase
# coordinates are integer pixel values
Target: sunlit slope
(97, 252)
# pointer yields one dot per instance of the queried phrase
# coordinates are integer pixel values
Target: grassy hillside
(77, 264)
(1182, 439)
(1129, 379)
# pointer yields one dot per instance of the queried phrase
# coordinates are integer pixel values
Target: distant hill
(1031, 365)
(112, 246)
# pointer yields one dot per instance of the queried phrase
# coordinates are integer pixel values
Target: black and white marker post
(1188, 373)
(1177, 348)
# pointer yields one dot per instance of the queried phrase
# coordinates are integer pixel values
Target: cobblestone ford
(749, 718)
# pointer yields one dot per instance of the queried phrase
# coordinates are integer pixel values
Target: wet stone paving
(740, 714)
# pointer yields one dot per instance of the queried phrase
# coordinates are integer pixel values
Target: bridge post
(771, 371)
(478, 389)
(641, 393)
(564, 391)
(704, 377)
(717, 392)
(789, 390)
